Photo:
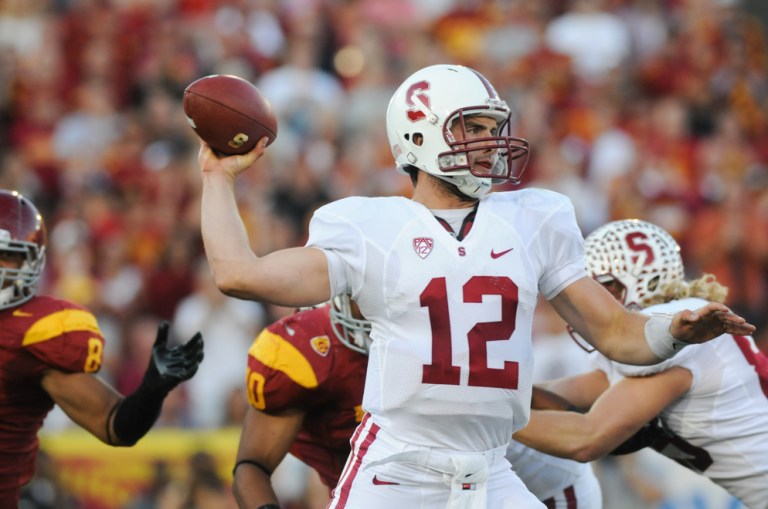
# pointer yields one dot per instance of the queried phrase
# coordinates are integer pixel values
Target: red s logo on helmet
(636, 244)
(415, 114)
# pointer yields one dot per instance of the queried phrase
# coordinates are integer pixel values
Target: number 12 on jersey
(441, 370)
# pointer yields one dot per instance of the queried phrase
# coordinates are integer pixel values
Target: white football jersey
(722, 421)
(450, 364)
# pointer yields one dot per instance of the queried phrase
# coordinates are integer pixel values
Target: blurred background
(652, 109)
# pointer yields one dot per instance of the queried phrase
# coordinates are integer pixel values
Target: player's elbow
(587, 443)
(586, 452)
(228, 281)
(594, 445)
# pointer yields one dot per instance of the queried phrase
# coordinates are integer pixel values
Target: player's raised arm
(290, 277)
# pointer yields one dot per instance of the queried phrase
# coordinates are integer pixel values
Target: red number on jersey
(757, 359)
(441, 370)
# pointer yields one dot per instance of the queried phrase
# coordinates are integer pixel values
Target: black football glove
(642, 438)
(168, 367)
(133, 416)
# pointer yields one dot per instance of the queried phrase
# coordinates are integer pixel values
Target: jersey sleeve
(68, 339)
(342, 243)
(280, 375)
(559, 246)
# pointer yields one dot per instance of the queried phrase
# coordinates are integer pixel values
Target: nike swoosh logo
(377, 482)
(20, 313)
(500, 253)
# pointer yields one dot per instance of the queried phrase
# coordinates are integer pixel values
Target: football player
(50, 352)
(449, 371)
(711, 399)
(305, 381)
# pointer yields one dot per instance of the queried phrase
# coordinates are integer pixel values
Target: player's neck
(433, 194)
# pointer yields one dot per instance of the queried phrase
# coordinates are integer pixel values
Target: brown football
(229, 113)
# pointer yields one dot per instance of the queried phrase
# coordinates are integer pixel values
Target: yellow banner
(103, 477)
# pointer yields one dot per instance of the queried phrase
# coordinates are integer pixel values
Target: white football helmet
(355, 333)
(22, 233)
(641, 256)
(420, 116)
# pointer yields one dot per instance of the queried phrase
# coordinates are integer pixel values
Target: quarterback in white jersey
(450, 363)
(449, 371)
(711, 399)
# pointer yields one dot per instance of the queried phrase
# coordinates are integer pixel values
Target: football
(229, 113)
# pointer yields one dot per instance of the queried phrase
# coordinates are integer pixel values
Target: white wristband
(660, 341)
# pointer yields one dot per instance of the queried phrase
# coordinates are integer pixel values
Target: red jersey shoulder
(57, 332)
(297, 362)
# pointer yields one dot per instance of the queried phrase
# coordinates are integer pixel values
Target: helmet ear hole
(418, 139)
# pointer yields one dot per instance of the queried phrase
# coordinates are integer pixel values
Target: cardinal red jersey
(298, 362)
(38, 335)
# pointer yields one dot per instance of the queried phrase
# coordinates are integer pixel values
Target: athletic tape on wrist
(659, 340)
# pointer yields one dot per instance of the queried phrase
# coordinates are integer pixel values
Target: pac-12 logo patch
(423, 246)
(321, 345)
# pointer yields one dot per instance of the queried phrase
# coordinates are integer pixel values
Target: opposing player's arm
(264, 442)
(290, 277)
(107, 414)
(84, 397)
(622, 335)
(616, 415)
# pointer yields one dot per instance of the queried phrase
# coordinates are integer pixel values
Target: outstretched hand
(168, 367)
(707, 323)
(229, 165)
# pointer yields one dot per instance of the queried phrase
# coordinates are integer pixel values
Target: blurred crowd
(654, 109)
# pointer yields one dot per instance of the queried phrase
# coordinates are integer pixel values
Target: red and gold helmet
(22, 237)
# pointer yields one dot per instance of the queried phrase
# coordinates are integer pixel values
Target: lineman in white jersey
(449, 371)
(558, 482)
(711, 399)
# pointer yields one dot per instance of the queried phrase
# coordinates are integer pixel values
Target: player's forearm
(628, 342)
(224, 236)
(252, 488)
(580, 390)
(564, 434)
(600, 319)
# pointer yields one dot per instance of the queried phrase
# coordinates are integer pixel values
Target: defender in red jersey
(305, 381)
(50, 350)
